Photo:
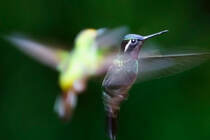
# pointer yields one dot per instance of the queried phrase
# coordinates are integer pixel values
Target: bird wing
(109, 41)
(153, 66)
(110, 37)
(43, 53)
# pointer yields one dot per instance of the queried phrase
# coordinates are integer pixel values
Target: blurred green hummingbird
(89, 57)
(131, 64)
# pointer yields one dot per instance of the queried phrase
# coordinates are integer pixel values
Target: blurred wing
(150, 49)
(110, 38)
(156, 66)
(44, 54)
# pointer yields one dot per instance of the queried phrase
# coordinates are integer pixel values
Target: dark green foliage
(174, 108)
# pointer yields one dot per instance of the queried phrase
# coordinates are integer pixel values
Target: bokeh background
(177, 107)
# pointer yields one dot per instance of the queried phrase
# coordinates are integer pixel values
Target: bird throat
(135, 52)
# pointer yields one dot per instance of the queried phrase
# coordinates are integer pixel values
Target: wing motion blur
(152, 66)
(110, 37)
(43, 53)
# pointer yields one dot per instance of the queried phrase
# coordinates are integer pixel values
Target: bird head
(132, 43)
(85, 39)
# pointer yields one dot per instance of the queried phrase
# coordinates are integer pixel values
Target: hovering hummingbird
(129, 65)
(90, 57)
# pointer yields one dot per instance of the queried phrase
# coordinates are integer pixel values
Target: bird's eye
(133, 41)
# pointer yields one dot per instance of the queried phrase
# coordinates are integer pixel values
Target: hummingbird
(89, 57)
(131, 64)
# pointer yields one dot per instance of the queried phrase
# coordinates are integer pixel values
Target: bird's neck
(135, 53)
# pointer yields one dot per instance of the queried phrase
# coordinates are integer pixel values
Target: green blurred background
(173, 108)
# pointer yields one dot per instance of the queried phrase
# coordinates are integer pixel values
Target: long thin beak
(152, 35)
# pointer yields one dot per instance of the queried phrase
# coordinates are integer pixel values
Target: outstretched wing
(156, 65)
(43, 53)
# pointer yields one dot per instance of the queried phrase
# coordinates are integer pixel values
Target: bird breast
(121, 75)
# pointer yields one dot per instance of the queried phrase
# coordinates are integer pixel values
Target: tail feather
(111, 126)
(112, 106)
(65, 104)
